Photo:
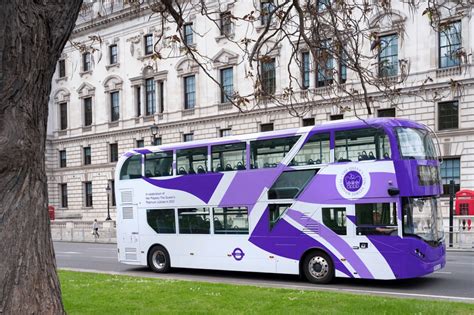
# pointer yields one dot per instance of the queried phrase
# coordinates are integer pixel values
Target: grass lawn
(88, 293)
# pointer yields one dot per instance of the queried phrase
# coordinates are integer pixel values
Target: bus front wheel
(318, 268)
(159, 259)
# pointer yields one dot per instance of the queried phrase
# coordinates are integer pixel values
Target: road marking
(101, 249)
(460, 263)
(104, 257)
(444, 272)
(68, 253)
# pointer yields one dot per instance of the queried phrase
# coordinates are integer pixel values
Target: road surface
(455, 282)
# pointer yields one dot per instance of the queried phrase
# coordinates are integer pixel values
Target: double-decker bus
(354, 199)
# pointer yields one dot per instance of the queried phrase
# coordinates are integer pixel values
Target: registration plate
(437, 267)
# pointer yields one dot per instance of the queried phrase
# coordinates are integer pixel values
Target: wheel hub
(318, 267)
(159, 260)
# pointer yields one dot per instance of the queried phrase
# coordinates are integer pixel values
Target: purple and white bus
(354, 199)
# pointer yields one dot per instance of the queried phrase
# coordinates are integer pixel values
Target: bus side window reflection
(376, 218)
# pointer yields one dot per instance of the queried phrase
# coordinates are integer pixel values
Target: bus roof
(327, 126)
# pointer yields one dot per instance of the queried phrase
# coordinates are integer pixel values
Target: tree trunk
(32, 36)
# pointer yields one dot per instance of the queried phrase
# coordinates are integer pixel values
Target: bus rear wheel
(159, 259)
(318, 268)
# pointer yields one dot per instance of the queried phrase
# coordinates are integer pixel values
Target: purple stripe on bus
(246, 187)
(401, 256)
(287, 241)
(335, 240)
(142, 151)
(352, 218)
(201, 186)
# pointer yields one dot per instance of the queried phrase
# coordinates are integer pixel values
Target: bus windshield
(415, 144)
(423, 218)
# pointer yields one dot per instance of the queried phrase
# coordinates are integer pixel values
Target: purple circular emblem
(352, 181)
(238, 254)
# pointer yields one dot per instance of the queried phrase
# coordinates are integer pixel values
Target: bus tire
(318, 267)
(159, 259)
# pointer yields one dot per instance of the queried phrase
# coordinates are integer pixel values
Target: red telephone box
(51, 213)
(465, 202)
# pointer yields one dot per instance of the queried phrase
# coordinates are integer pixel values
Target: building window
(188, 137)
(140, 143)
(114, 106)
(87, 111)
(113, 54)
(189, 92)
(342, 67)
(63, 188)
(62, 158)
(148, 44)
(157, 141)
(86, 62)
(113, 149)
(112, 192)
(305, 69)
(161, 97)
(325, 65)
(226, 24)
(336, 117)
(388, 56)
(87, 155)
(386, 112)
(451, 170)
(63, 116)
(62, 68)
(267, 7)
(227, 84)
(308, 122)
(225, 132)
(88, 194)
(138, 101)
(448, 115)
(266, 127)
(268, 77)
(188, 33)
(150, 97)
(322, 5)
(449, 44)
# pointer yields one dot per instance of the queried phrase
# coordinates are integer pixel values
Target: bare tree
(339, 37)
(32, 36)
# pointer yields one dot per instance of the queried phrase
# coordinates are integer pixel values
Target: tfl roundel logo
(353, 182)
(238, 254)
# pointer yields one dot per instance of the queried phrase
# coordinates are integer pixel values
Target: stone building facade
(103, 102)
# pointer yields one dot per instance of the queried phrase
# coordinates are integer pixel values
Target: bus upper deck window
(159, 164)
(229, 157)
(191, 161)
(361, 145)
(270, 152)
(315, 151)
(132, 168)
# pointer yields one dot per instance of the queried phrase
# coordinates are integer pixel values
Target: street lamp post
(107, 190)
(154, 132)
